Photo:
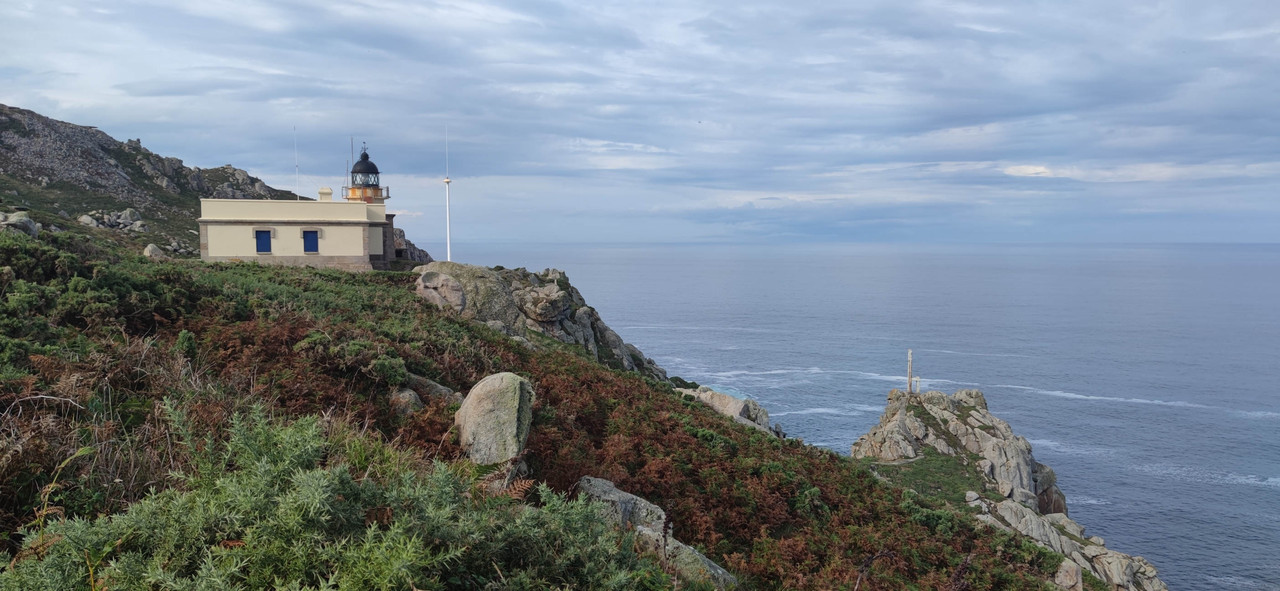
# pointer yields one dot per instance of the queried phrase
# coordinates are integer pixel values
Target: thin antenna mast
(448, 222)
(297, 184)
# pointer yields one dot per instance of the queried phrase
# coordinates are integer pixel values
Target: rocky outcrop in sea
(1029, 500)
(521, 304)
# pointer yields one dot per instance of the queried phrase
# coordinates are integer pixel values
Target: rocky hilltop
(46, 152)
(1019, 493)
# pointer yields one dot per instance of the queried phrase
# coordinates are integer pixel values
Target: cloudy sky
(702, 120)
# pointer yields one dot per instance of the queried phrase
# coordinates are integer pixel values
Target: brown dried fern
(519, 488)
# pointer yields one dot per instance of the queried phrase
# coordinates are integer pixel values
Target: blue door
(310, 241)
(264, 240)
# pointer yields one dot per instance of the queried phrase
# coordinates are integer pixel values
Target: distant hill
(62, 168)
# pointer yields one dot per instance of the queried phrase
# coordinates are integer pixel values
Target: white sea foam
(1073, 395)
(1236, 582)
(1258, 414)
(1073, 449)
(698, 328)
(948, 352)
(1084, 500)
(1201, 475)
(815, 411)
(846, 411)
(929, 381)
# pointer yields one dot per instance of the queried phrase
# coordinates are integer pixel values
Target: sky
(701, 121)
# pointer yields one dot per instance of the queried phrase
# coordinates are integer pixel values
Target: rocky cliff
(45, 152)
(1020, 494)
(522, 304)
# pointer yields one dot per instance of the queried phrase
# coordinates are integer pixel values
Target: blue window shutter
(264, 240)
(310, 241)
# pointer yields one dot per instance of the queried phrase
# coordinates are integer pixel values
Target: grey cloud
(915, 108)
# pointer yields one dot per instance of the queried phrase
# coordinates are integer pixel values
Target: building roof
(364, 165)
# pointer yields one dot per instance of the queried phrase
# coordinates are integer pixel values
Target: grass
(936, 475)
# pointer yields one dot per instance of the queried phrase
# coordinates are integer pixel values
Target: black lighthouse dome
(365, 172)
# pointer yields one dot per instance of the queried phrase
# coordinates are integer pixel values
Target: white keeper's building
(353, 233)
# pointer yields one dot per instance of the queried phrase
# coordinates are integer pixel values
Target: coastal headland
(452, 426)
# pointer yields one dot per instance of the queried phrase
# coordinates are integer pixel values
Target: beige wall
(263, 209)
(238, 239)
(350, 233)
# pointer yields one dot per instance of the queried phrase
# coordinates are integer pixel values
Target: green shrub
(275, 514)
(388, 369)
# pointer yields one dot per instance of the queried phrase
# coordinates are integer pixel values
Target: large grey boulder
(426, 387)
(517, 302)
(441, 290)
(744, 411)
(154, 252)
(21, 222)
(1069, 576)
(488, 297)
(544, 303)
(625, 510)
(405, 402)
(493, 421)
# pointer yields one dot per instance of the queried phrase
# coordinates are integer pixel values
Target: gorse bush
(280, 508)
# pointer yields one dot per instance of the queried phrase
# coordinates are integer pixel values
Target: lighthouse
(364, 181)
(352, 232)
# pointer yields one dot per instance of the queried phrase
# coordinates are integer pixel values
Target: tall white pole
(448, 221)
(297, 184)
(448, 244)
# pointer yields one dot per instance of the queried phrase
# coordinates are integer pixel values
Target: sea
(1145, 375)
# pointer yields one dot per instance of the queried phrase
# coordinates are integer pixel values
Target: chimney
(326, 194)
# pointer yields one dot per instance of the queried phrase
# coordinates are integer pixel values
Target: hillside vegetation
(185, 425)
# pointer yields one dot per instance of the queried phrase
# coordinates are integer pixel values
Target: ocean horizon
(1142, 374)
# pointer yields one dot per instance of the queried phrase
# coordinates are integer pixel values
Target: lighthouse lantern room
(364, 181)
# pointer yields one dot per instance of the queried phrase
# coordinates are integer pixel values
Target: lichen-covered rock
(21, 221)
(488, 297)
(405, 402)
(426, 387)
(493, 421)
(154, 252)
(407, 250)
(442, 291)
(744, 411)
(1069, 576)
(1049, 498)
(950, 425)
(624, 509)
(544, 303)
(516, 302)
